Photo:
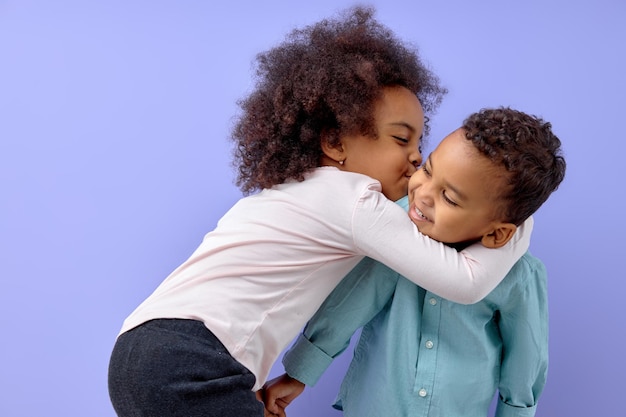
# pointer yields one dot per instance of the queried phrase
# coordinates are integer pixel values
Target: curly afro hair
(323, 80)
(526, 147)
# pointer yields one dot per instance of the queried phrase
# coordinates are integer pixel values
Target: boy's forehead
(455, 143)
(464, 168)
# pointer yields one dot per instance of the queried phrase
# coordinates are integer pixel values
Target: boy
(418, 354)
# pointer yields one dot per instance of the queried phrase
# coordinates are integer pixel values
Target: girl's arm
(383, 231)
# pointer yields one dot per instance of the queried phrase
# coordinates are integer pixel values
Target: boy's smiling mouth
(417, 215)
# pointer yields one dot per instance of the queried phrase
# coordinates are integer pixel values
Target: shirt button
(422, 392)
(432, 301)
(429, 344)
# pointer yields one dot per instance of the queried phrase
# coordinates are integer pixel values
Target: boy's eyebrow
(454, 189)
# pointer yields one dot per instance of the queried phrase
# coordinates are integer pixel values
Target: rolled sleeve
(306, 362)
(506, 410)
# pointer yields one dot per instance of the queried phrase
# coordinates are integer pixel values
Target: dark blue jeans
(172, 367)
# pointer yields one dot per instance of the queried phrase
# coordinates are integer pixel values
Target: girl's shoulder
(323, 189)
(335, 179)
(328, 189)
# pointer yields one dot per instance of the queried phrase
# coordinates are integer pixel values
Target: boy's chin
(456, 245)
(462, 245)
(429, 234)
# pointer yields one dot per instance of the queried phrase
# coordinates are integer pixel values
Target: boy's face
(453, 197)
(393, 156)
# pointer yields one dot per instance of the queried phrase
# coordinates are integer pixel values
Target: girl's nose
(416, 159)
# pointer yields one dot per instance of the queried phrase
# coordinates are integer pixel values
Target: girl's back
(269, 264)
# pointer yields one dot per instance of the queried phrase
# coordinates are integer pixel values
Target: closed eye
(447, 200)
(401, 139)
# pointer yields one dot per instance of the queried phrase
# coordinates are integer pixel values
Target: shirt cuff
(507, 410)
(306, 362)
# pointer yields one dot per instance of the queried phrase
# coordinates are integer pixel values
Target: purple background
(114, 163)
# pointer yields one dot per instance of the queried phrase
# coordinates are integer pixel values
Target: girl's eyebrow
(408, 126)
(403, 124)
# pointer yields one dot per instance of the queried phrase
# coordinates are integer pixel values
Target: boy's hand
(266, 413)
(279, 392)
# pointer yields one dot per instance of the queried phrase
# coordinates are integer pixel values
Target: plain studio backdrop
(115, 161)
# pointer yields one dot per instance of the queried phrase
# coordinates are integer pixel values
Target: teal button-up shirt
(421, 355)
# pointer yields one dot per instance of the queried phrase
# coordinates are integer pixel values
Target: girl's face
(392, 157)
(453, 197)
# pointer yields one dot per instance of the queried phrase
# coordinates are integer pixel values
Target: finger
(282, 403)
(271, 402)
(280, 413)
(267, 413)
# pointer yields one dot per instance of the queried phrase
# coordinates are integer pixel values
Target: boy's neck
(459, 246)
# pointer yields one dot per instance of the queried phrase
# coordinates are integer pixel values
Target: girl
(329, 138)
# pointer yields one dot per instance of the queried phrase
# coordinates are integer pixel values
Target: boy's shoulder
(528, 265)
(528, 272)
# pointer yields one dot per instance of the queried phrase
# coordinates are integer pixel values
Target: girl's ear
(333, 152)
(499, 236)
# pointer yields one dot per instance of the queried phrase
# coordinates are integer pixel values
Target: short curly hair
(529, 151)
(322, 81)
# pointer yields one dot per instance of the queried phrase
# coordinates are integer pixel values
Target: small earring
(342, 161)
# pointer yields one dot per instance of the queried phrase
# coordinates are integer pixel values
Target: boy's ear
(499, 236)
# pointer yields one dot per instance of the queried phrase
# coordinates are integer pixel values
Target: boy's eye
(447, 200)
(426, 171)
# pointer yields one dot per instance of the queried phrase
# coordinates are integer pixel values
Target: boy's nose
(424, 194)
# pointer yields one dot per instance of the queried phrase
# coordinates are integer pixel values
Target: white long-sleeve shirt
(275, 256)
